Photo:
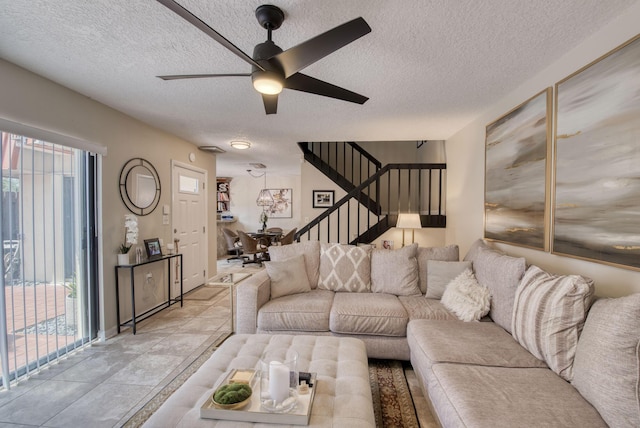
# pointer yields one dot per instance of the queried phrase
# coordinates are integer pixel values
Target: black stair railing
(346, 164)
(406, 188)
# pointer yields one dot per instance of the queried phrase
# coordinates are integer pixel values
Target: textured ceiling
(429, 67)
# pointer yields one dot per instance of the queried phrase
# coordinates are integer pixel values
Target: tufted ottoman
(343, 397)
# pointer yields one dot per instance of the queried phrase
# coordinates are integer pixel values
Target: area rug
(203, 293)
(392, 403)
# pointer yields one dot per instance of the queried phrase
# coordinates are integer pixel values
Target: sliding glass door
(49, 253)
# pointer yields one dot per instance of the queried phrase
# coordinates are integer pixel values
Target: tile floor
(119, 376)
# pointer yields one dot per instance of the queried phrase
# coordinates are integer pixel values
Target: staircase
(375, 194)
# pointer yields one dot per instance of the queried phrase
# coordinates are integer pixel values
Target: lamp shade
(409, 221)
(264, 199)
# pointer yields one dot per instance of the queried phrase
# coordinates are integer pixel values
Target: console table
(166, 304)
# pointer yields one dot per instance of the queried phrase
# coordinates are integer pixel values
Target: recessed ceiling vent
(258, 165)
(212, 149)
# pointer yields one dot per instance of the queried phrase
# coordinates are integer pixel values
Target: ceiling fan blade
(306, 53)
(201, 76)
(197, 22)
(304, 83)
(270, 103)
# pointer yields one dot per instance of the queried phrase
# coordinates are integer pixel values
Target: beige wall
(465, 175)
(32, 100)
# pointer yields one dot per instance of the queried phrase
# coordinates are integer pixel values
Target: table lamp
(409, 221)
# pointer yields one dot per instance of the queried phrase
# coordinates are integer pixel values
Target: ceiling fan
(273, 69)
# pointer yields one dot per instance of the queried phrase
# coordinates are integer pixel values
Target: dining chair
(288, 238)
(256, 247)
(234, 246)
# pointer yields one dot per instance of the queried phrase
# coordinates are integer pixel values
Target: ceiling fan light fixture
(240, 145)
(267, 82)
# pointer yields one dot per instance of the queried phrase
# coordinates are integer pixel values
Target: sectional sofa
(543, 354)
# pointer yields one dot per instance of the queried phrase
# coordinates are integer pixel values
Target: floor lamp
(409, 221)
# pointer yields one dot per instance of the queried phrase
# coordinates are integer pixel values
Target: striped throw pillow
(548, 315)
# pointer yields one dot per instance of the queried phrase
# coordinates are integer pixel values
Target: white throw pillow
(467, 299)
(288, 276)
(345, 268)
(440, 274)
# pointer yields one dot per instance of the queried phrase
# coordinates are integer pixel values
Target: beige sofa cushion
(297, 312)
(345, 268)
(368, 313)
(548, 316)
(450, 253)
(607, 363)
(479, 343)
(309, 249)
(501, 274)
(419, 307)
(395, 271)
(500, 397)
(474, 250)
(287, 277)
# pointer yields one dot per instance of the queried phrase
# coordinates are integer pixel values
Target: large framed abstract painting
(516, 199)
(281, 207)
(597, 160)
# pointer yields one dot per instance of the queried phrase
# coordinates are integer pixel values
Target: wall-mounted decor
(323, 198)
(597, 185)
(281, 207)
(516, 197)
(139, 186)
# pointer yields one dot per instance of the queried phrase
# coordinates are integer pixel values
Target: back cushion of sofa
(474, 249)
(345, 268)
(501, 274)
(450, 253)
(606, 370)
(548, 315)
(309, 249)
(395, 271)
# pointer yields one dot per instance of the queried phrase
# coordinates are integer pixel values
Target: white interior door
(189, 223)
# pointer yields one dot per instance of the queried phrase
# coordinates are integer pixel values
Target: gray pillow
(309, 249)
(395, 271)
(288, 277)
(345, 268)
(448, 253)
(440, 274)
(501, 274)
(606, 369)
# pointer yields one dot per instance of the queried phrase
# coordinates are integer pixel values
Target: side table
(229, 280)
(148, 313)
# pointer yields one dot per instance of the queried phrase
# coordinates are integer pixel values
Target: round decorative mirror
(139, 186)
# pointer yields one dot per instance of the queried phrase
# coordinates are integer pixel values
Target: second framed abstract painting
(517, 149)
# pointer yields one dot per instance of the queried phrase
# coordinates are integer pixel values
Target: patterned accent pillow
(450, 253)
(395, 271)
(345, 268)
(467, 299)
(548, 315)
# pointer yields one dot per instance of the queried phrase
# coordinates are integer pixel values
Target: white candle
(278, 381)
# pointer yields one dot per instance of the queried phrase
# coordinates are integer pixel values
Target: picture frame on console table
(517, 153)
(597, 160)
(154, 250)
